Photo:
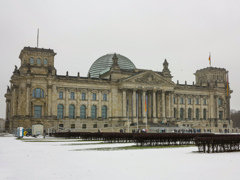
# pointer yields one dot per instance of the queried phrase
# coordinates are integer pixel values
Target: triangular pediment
(149, 77)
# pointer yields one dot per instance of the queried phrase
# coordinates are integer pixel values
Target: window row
(190, 101)
(72, 96)
(60, 112)
(84, 126)
(189, 114)
(38, 61)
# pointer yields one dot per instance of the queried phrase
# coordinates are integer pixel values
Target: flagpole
(37, 37)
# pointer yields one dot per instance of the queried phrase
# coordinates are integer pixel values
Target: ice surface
(58, 160)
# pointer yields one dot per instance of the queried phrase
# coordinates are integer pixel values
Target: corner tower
(37, 61)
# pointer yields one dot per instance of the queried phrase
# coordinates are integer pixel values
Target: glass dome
(104, 63)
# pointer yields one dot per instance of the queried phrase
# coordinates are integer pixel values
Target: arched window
(93, 112)
(83, 112)
(181, 113)
(104, 112)
(45, 62)
(189, 113)
(38, 61)
(60, 111)
(31, 60)
(72, 111)
(197, 114)
(38, 93)
(204, 114)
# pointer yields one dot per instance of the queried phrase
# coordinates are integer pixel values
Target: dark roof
(38, 49)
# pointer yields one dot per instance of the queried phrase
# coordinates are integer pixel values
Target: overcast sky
(145, 31)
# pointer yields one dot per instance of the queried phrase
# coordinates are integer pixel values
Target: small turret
(166, 72)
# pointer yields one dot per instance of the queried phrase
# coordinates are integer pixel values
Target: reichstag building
(113, 95)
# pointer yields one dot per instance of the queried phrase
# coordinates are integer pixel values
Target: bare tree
(235, 116)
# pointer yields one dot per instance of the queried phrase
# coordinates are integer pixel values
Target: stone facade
(37, 95)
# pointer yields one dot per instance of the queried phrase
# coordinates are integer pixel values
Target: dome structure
(104, 63)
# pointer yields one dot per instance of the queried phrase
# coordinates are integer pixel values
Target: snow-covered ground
(57, 159)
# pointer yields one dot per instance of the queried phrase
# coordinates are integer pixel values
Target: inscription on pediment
(150, 79)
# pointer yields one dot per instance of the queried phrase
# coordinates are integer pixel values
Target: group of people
(135, 131)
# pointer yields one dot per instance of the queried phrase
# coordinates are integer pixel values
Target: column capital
(49, 86)
(155, 90)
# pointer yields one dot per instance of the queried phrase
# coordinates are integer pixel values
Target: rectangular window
(220, 115)
(105, 97)
(197, 101)
(84, 126)
(72, 126)
(94, 96)
(181, 100)
(220, 102)
(83, 96)
(37, 111)
(94, 125)
(204, 101)
(60, 95)
(60, 125)
(105, 125)
(181, 113)
(174, 100)
(189, 113)
(189, 101)
(72, 95)
(175, 113)
(197, 114)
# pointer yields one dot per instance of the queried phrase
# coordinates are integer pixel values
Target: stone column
(201, 108)
(124, 103)
(143, 106)
(14, 100)
(154, 107)
(178, 107)
(134, 106)
(217, 108)
(28, 99)
(186, 109)
(158, 96)
(171, 106)
(78, 103)
(89, 104)
(149, 108)
(163, 106)
(49, 105)
(194, 109)
(168, 110)
(139, 104)
(66, 103)
(99, 104)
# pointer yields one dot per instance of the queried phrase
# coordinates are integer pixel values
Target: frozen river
(34, 159)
